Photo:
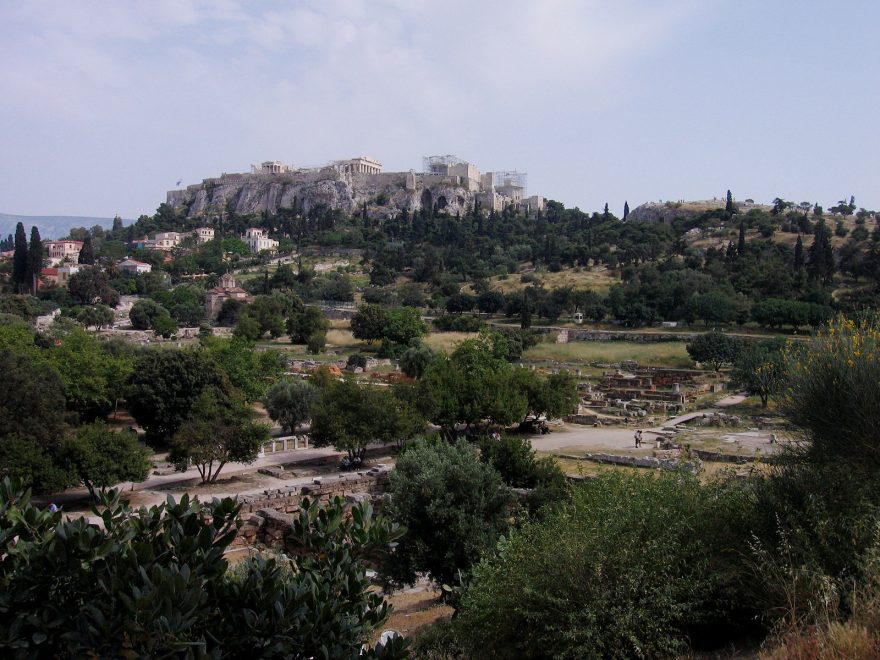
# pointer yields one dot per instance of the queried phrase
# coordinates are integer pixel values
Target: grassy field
(598, 280)
(659, 354)
(447, 341)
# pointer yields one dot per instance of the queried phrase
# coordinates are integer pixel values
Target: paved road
(167, 480)
(587, 438)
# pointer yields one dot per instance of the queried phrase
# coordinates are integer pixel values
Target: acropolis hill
(446, 183)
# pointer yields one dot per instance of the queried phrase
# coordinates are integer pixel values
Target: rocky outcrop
(669, 211)
(384, 193)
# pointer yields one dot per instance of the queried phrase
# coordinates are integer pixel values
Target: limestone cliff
(254, 193)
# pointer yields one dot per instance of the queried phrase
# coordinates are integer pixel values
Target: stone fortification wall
(268, 518)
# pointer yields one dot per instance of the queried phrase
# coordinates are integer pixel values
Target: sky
(106, 105)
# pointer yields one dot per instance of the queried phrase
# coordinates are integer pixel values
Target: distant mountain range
(51, 226)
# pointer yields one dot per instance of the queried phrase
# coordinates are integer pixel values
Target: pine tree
(799, 254)
(625, 210)
(35, 260)
(20, 259)
(741, 245)
(729, 205)
(87, 253)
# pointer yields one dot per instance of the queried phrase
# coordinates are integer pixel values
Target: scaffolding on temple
(440, 164)
(511, 178)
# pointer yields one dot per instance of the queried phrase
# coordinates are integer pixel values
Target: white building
(258, 241)
(134, 267)
(203, 234)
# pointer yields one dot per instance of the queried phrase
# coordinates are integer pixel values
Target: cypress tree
(606, 212)
(821, 257)
(87, 253)
(799, 254)
(35, 260)
(741, 245)
(525, 314)
(20, 259)
(625, 210)
(729, 205)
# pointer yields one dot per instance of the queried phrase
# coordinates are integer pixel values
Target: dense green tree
(154, 583)
(248, 370)
(97, 316)
(404, 325)
(490, 302)
(728, 205)
(349, 417)
(165, 326)
(229, 312)
(219, 430)
(247, 328)
(453, 506)
(31, 397)
(368, 323)
(87, 253)
(144, 312)
(460, 302)
(415, 359)
(741, 243)
(94, 380)
(760, 369)
(20, 260)
(714, 348)
(302, 324)
(165, 384)
(289, 402)
(98, 457)
(473, 385)
(799, 254)
(625, 210)
(90, 286)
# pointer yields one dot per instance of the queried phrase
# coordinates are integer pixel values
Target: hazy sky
(106, 105)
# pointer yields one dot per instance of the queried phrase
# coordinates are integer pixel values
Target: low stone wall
(718, 457)
(268, 517)
(636, 461)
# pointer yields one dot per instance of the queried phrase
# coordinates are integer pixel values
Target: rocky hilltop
(254, 193)
(668, 211)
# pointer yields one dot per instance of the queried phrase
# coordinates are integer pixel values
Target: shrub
(154, 583)
(317, 342)
(635, 567)
(458, 323)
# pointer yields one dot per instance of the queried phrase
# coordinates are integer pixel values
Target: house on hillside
(64, 250)
(203, 234)
(227, 289)
(258, 241)
(134, 267)
(59, 275)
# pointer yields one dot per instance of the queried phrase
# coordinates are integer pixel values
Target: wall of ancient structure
(269, 517)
